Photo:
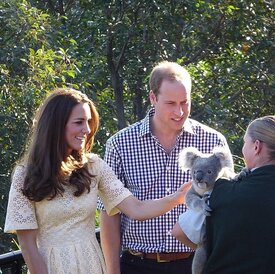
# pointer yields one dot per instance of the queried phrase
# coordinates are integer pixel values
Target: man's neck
(165, 136)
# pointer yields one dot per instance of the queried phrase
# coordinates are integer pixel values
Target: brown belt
(161, 257)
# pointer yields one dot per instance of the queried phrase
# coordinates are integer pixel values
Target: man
(145, 158)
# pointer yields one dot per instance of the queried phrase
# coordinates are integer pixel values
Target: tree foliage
(108, 48)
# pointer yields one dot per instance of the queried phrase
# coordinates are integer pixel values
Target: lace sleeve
(20, 211)
(111, 189)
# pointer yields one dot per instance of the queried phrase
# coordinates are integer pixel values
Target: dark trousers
(131, 264)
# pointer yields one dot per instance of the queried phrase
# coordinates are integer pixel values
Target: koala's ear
(187, 157)
(225, 157)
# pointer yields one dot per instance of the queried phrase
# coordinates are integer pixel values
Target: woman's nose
(86, 129)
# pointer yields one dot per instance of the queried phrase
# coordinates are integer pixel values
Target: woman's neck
(263, 163)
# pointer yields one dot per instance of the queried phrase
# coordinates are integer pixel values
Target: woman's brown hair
(46, 168)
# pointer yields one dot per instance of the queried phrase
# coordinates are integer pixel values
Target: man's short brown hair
(170, 71)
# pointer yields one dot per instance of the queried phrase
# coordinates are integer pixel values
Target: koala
(206, 169)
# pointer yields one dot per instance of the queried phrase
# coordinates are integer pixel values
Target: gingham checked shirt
(141, 163)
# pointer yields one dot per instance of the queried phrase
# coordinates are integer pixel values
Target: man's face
(172, 105)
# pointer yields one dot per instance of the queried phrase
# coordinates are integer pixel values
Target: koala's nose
(199, 176)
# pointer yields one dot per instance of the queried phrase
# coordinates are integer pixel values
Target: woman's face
(249, 151)
(77, 127)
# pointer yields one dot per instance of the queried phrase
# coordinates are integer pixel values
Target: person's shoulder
(19, 169)
(222, 184)
(95, 163)
(93, 159)
(222, 187)
(200, 127)
(222, 181)
(18, 175)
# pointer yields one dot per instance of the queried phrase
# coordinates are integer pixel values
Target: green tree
(107, 49)
(32, 62)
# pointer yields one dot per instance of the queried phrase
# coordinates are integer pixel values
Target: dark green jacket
(241, 229)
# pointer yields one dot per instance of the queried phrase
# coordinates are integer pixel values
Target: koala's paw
(244, 172)
(207, 210)
(202, 206)
(206, 197)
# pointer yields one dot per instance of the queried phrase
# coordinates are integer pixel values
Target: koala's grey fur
(205, 170)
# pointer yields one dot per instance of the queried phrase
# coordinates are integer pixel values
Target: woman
(54, 190)
(240, 231)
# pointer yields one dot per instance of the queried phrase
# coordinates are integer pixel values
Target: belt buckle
(159, 260)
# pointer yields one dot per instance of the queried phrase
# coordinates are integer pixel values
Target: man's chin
(178, 126)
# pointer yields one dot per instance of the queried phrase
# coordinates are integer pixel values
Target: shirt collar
(188, 127)
(145, 124)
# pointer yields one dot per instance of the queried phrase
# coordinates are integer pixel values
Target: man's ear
(152, 97)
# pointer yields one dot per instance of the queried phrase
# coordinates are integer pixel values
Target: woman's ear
(258, 146)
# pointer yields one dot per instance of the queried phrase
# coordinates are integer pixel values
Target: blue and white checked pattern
(142, 164)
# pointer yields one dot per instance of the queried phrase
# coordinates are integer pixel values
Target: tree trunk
(116, 80)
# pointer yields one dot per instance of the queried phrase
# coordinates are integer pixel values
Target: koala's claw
(207, 210)
(244, 172)
(206, 197)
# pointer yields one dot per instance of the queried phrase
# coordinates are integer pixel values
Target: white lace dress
(66, 224)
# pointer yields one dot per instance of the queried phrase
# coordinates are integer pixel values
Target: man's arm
(110, 241)
(182, 237)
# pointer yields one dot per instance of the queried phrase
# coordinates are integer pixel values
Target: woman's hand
(181, 192)
(147, 209)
